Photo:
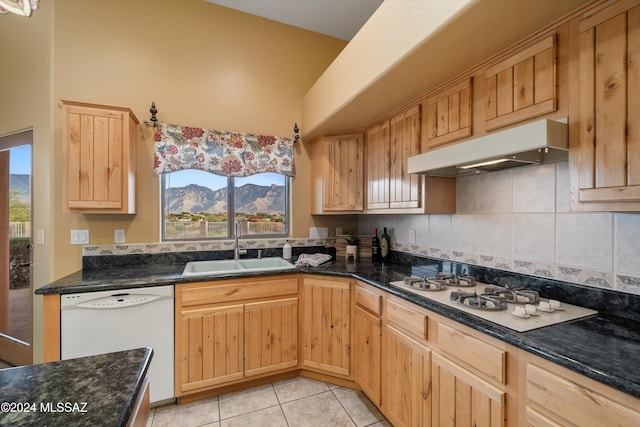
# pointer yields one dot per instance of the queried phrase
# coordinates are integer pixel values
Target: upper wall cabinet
(448, 115)
(405, 190)
(605, 102)
(99, 166)
(522, 86)
(378, 166)
(391, 189)
(338, 174)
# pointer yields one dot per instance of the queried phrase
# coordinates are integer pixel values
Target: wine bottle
(385, 243)
(375, 248)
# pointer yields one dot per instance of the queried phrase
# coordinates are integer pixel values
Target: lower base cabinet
(556, 397)
(418, 367)
(228, 331)
(326, 325)
(367, 340)
(460, 398)
(407, 380)
(210, 347)
(271, 336)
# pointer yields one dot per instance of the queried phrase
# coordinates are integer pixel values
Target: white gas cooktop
(505, 318)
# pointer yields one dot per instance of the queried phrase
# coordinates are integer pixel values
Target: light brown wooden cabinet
(326, 325)
(367, 341)
(378, 166)
(391, 189)
(448, 115)
(522, 86)
(209, 347)
(605, 107)
(555, 396)
(227, 331)
(337, 174)
(271, 336)
(462, 398)
(406, 361)
(99, 158)
(435, 373)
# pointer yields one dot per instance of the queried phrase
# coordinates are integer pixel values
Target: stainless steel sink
(226, 266)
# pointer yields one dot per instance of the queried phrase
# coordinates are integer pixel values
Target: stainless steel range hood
(544, 141)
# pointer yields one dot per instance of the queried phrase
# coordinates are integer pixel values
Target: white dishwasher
(108, 321)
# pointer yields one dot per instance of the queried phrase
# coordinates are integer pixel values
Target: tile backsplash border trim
(196, 246)
(591, 278)
(580, 276)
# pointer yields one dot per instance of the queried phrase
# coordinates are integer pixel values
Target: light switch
(40, 236)
(79, 237)
(412, 236)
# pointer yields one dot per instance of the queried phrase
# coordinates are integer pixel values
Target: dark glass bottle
(385, 244)
(375, 248)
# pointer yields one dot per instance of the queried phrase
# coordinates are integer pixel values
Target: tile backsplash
(519, 220)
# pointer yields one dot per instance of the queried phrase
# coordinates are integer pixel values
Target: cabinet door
(522, 86)
(378, 166)
(209, 349)
(326, 316)
(407, 380)
(367, 335)
(448, 116)
(99, 166)
(605, 151)
(271, 336)
(344, 181)
(462, 399)
(405, 190)
(570, 402)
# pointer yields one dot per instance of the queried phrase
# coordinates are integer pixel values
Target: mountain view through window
(199, 205)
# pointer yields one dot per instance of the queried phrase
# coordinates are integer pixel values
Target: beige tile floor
(297, 402)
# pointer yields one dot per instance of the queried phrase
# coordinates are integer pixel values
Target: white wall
(519, 220)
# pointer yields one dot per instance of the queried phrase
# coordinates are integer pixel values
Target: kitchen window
(199, 205)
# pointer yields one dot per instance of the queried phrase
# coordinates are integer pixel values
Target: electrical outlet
(118, 236)
(412, 236)
(79, 237)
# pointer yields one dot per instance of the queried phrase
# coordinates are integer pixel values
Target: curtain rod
(152, 122)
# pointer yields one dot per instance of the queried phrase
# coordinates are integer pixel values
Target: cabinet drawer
(574, 402)
(225, 291)
(368, 300)
(407, 319)
(484, 357)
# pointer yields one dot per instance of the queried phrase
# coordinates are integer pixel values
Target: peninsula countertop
(89, 391)
(602, 347)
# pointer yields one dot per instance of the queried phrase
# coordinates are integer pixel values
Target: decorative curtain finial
(153, 110)
(296, 130)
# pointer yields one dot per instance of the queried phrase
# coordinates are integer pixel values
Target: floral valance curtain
(220, 152)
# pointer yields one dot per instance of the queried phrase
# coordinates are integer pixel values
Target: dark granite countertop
(604, 347)
(89, 391)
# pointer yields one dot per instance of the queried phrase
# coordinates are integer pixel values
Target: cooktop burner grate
(425, 284)
(462, 280)
(482, 302)
(515, 296)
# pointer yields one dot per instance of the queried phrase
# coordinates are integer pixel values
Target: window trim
(230, 217)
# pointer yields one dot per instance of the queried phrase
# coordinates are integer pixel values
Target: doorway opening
(16, 252)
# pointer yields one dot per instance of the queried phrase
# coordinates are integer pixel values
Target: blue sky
(20, 160)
